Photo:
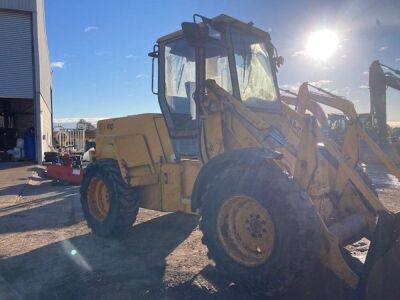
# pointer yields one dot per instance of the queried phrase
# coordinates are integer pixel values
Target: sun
(322, 44)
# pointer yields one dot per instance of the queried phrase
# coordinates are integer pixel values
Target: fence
(70, 138)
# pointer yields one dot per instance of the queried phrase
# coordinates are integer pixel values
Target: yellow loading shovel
(381, 271)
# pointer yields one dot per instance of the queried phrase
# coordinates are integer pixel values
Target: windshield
(217, 65)
(256, 82)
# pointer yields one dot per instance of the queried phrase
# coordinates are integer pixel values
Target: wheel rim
(98, 198)
(246, 230)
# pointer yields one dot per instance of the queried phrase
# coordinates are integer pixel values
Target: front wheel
(110, 206)
(260, 227)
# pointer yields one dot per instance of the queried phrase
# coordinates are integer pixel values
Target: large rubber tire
(123, 202)
(297, 235)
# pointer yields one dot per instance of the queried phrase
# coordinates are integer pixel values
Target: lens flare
(322, 44)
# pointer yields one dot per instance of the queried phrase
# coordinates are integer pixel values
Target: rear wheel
(260, 227)
(110, 205)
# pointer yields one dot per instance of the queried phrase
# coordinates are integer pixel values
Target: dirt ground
(47, 252)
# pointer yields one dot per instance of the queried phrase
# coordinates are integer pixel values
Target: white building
(25, 75)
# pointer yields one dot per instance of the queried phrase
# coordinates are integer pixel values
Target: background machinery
(276, 195)
(375, 122)
(379, 81)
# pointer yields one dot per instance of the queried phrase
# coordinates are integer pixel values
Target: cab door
(177, 84)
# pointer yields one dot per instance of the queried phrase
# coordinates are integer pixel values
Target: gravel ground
(47, 252)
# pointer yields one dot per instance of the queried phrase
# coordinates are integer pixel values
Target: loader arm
(347, 108)
(312, 106)
(248, 129)
(265, 135)
(383, 251)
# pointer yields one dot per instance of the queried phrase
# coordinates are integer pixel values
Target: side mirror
(154, 55)
(279, 61)
(194, 33)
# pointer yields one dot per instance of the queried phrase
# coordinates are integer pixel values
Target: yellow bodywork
(293, 133)
(144, 152)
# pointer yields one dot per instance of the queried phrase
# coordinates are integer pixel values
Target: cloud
(129, 56)
(383, 48)
(99, 52)
(397, 59)
(57, 64)
(299, 53)
(292, 87)
(363, 86)
(365, 73)
(90, 28)
(70, 122)
(328, 67)
(295, 86)
(346, 90)
(139, 76)
(321, 83)
(394, 124)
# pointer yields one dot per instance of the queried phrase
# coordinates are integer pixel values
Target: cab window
(180, 83)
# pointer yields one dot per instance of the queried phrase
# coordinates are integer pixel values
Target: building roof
(22, 5)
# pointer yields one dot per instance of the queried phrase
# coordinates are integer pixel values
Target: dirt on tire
(123, 205)
(297, 238)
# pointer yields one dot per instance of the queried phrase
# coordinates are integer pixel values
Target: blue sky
(99, 48)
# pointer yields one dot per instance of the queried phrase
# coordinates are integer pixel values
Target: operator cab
(237, 56)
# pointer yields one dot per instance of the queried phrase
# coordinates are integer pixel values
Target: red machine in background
(64, 168)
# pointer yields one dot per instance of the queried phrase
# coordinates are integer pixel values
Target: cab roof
(221, 19)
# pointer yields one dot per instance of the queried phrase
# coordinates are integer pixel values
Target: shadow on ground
(322, 284)
(88, 267)
(12, 165)
(41, 207)
(41, 217)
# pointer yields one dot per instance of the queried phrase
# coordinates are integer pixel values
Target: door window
(180, 83)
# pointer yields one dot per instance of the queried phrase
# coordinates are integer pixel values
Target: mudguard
(211, 170)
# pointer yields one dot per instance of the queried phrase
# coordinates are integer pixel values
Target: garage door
(16, 58)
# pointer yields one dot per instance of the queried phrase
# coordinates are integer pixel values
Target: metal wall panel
(16, 57)
(24, 5)
(44, 74)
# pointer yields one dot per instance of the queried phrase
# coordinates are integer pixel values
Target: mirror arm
(154, 55)
(203, 19)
